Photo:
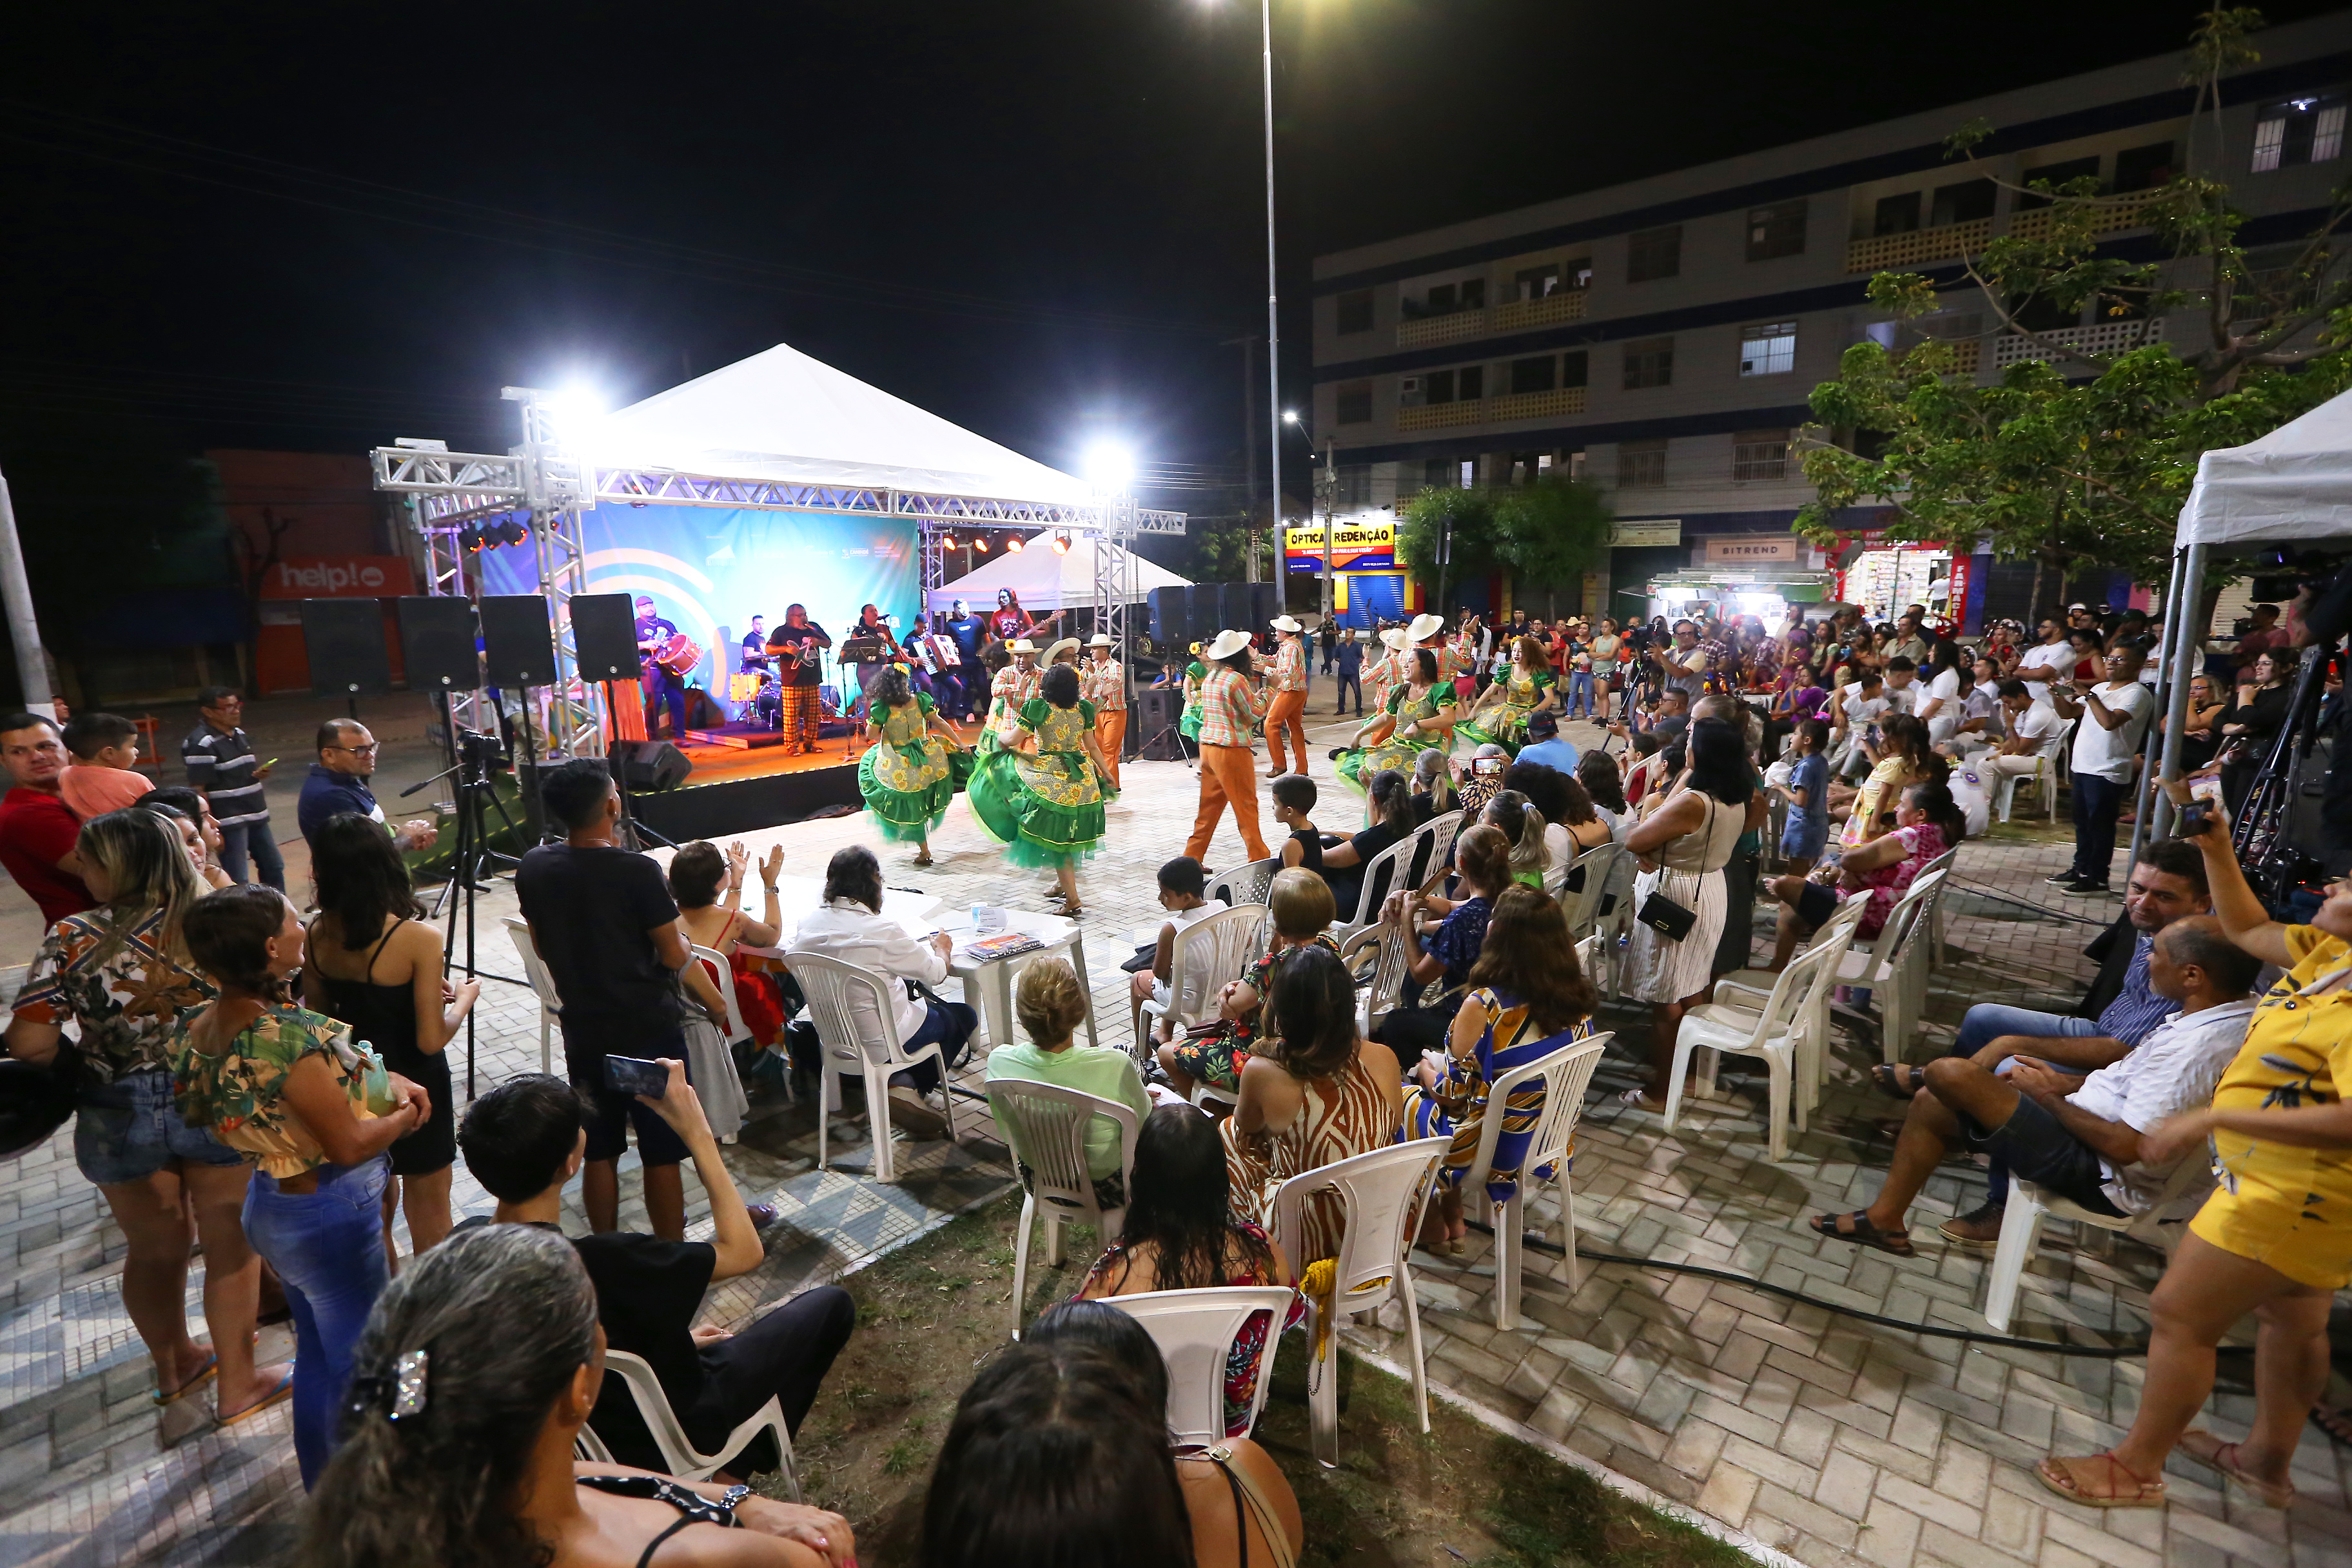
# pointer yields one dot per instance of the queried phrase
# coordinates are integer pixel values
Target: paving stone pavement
(1840, 1441)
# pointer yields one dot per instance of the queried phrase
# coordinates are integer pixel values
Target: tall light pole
(1273, 293)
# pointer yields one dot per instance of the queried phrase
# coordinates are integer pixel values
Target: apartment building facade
(1660, 337)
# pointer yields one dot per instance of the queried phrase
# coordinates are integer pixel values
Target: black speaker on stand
(345, 641)
(1265, 603)
(519, 652)
(1171, 619)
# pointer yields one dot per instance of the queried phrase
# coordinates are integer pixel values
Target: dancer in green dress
(1501, 713)
(1418, 717)
(1195, 673)
(905, 776)
(1042, 797)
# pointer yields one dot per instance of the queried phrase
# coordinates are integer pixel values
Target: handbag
(1663, 915)
(34, 1101)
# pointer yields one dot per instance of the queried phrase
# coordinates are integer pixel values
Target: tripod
(470, 859)
(2274, 864)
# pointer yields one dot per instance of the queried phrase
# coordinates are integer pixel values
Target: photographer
(2114, 716)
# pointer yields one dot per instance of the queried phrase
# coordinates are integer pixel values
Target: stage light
(469, 538)
(980, 544)
(1061, 544)
(947, 541)
(1012, 545)
(1110, 465)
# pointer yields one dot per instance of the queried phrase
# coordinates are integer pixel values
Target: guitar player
(662, 685)
(796, 643)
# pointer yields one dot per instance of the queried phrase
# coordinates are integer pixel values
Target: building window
(1768, 350)
(2301, 131)
(1355, 403)
(1469, 466)
(1356, 311)
(1574, 368)
(1446, 298)
(1649, 361)
(1641, 465)
(1777, 230)
(1355, 485)
(1760, 455)
(1966, 202)
(2055, 176)
(1653, 253)
(1896, 214)
(1467, 385)
(1438, 474)
(2143, 168)
(1537, 282)
(1538, 374)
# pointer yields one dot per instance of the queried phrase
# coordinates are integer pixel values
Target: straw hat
(1423, 627)
(1287, 624)
(1227, 645)
(1100, 640)
(1021, 645)
(1056, 651)
(1393, 637)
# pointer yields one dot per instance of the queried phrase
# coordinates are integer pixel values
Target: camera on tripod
(481, 750)
(2285, 572)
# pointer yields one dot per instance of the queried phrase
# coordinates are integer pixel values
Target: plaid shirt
(1230, 710)
(1290, 665)
(1106, 687)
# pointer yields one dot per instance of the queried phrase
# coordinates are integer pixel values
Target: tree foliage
(1549, 531)
(2081, 457)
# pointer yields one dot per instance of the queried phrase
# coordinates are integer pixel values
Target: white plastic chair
(1381, 1194)
(1379, 996)
(1750, 990)
(1566, 1073)
(1245, 884)
(2020, 1227)
(1581, 905)
(1771, 1034)
(829, 984)
(1207, 953)
(1384, 873)
(738, 1030)
(1933, 913)
(1047, 1125)
(542, 985)
(1195, 1331)
(680, 1457)
(1894, 969)
(2045, 776)
(1441, 831)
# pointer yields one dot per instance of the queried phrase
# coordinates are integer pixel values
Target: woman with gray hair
(457, 1435)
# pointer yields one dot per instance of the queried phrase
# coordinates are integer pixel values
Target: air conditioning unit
(1409, 392)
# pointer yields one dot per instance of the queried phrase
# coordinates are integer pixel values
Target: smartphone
(635, 1074)
(2193, 817)
(1488, 767)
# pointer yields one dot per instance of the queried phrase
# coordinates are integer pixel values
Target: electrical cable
(2050, 910)
(1749, 1281)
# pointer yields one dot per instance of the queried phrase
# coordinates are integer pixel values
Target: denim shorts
(129, 1129)
(1805, 837)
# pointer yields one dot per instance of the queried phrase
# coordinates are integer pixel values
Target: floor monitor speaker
(644, 765)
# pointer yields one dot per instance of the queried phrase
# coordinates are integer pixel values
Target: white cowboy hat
(1100, 640)
(1285, 624)
(1021, 645)
(1227, 645)
(1394, 636)
(1423, 627)
(1056, 651)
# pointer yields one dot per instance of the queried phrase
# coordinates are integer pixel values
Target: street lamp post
(1273, 313)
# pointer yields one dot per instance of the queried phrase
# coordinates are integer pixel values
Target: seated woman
(1523, 825)
(1440, 951)
(439, 1372)
(1527, 998)
(1390, 806)
(1432, 786)
(1051, 1005)
(698, 876)
(1299, 904)
(1927, 822)
(1570, 825)
(1180, 1235)
(1310, 1095)
(1243, 1490)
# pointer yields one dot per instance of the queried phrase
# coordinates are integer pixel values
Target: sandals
(195, 1380)
(1639, 1099)
(2334, 1420)
(1857, 1229)
(2207, 1448)
(277, 1396)
(2053, 1473)
(1899, 1080)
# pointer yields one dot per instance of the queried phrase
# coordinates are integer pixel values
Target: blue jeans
(328, 1248)
(1989, 1021)
(252, 838)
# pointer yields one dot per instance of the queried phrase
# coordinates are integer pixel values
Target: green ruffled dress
(1046, 809)
(1189, 724)
(905, 776)
(1505, 724)
(1399, 750)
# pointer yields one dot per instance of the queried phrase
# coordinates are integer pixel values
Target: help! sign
(337, 577)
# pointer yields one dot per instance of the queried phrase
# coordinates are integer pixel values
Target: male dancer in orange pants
(1230, 711)
(1287, 712)
(1106, 688)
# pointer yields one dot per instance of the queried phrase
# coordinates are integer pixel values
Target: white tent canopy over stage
(1044, 581)
(2294, 484)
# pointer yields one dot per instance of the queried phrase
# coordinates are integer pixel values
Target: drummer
(662, 685)
(755, 645)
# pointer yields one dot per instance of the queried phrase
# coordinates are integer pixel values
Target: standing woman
(1188, 723)
(1605, 646)
(904, 774)
(286, 1087)
(121, 974)
(371, 961)
(1529, 687)
(1042, 797)
(2252, 725)
(1418, 717)
(1682, 848)
(1382, 671)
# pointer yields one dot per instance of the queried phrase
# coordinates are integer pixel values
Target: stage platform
(737, 788)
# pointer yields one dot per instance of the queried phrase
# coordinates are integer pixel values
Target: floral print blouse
(132, 999)
(240, 1094)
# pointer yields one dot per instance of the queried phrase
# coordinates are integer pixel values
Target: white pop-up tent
(1045, 580)
(782, 417)
(2293, 485)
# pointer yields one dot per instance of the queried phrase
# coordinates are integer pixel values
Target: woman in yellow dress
(1042, 797)
(2275, 1239)
(1417, 718)
(905, 776)
(1529, 688)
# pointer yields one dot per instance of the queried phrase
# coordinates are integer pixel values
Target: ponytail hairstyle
(1391, 798)
(1523, 825)
(228, 934)
(437, 1488)
(1933, 799)
(1436, 781)
(147, 867)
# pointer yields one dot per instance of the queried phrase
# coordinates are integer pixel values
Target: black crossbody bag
(1661, 914)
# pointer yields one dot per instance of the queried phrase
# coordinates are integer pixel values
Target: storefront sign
(1647, 534)
(1357, 544)
(1737, 549)
(337, 577)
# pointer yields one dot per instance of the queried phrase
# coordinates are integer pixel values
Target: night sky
(323, 226)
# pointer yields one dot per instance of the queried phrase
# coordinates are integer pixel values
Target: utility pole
(17, 598)
(1327, 491)
(1248, 346)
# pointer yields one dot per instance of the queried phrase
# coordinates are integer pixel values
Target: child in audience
(1294, 806)
(1300, 902)
(1051, 1004)
(1182, 881)
(104, 774)
(1808, 830)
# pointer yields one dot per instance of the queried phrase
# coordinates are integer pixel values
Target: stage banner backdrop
(708, 567)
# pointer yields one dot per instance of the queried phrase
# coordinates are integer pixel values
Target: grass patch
(930, 1314)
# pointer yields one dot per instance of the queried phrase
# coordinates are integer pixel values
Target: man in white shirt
(2114, 716)
(2076, 1135)
(850, 927)
(1857, 710)
(1903, 689)
(2029, 726)
(2053, 660)
(1939, 698)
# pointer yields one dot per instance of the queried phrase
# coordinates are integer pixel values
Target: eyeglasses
(367, 751)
